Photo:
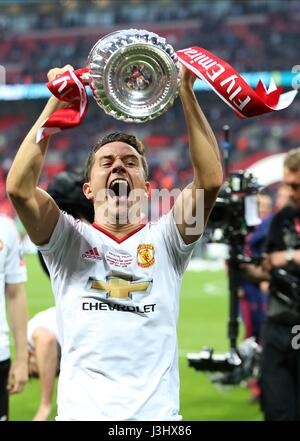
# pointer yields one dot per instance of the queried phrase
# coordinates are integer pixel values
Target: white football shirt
(44, 319)
(117, 312)
(12, 270)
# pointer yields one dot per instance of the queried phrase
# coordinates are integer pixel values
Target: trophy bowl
(134, 75)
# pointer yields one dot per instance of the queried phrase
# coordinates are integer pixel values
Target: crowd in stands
(252, 36)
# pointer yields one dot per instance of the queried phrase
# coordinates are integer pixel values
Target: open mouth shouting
(119, 189)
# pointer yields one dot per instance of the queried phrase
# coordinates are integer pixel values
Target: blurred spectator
(44, 357)
(282, 196)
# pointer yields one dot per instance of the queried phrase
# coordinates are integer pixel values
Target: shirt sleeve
(15, 270)
(180, 252)
(55, 251)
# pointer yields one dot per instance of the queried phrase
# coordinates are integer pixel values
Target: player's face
(117, 172)
(292, 180)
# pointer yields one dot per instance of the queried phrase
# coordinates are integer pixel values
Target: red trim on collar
(115, 238)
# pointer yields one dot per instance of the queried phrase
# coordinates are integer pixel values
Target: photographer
(280, 368)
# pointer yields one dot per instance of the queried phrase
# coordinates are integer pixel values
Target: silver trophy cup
(134, 75)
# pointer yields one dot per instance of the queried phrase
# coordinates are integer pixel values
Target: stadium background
(253, 36)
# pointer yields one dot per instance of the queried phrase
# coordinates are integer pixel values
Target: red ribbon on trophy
(231, 87)
(223, 78)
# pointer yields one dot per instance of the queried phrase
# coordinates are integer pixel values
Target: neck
(118, 230)
(119, 225)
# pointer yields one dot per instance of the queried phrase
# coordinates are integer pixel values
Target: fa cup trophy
(134, 75)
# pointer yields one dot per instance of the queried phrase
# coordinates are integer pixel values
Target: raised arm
(36, 209)
(190, 207)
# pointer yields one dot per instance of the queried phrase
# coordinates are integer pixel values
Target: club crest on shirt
(145, 255)
(1, 245)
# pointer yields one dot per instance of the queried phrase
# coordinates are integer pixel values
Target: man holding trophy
(117, 282)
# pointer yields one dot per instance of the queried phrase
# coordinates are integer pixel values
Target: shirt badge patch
(145, 255)
(119, 260)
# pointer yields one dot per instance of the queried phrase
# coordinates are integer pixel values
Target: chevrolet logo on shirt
(118, 288)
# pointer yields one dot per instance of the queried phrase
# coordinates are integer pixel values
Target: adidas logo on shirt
(93, 254)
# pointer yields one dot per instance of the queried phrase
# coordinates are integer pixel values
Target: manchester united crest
(145, 255)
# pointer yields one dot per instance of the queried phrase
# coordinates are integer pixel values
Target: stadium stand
(35, 38)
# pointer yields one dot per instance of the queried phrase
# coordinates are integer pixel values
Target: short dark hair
(114, 137)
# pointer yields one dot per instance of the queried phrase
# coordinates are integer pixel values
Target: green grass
(203, 318)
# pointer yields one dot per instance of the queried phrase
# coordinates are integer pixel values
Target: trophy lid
(134, 74)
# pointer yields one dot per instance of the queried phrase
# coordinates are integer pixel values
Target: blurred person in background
(12, 291)
(252, 299)
(280, 364)
(43, 357)
(282, 197)
(280, 368)
(108, 277)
